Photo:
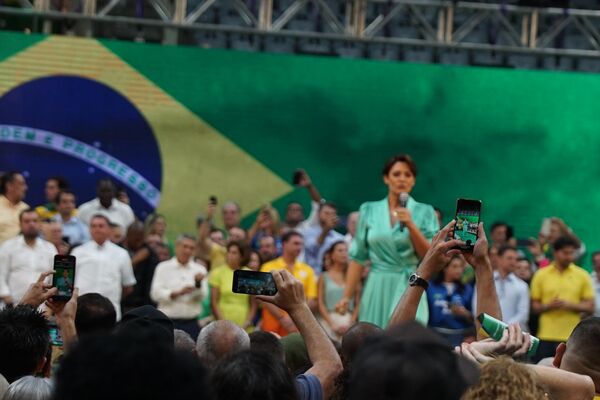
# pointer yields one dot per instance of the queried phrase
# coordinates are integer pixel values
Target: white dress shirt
(118, 213)
(513, 295)
(105, 269)
(596, 282)
(171, 276)
(21, 265)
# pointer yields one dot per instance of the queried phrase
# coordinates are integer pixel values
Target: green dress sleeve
(429, 225)
(359, 250)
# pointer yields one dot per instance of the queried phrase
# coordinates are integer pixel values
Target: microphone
(402, 200)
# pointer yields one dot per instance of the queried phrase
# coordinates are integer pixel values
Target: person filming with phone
(393, 234)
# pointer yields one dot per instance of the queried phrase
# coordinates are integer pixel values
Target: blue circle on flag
(95, 132)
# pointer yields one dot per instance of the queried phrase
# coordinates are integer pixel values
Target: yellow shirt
(304, 274)
(573, 285)
(233, 306)
(9, 218)
(217, 255)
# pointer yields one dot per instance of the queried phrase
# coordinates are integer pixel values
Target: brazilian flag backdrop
(174, 125)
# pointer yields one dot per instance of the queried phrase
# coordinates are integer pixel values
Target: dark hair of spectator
(121, 367)
(439, 278)
(250, 375)
(330, 251)
(563, 242)
(24, 341)
(498, 224)
(242, 248)
(327, 204)
(402, 158)
(6, 178)
(389, 368)
(290, 234)
(26, 211)
(267, 343)
(504, 248)
(101, 216)
(95, 314)
(61, 182)
(63, 193)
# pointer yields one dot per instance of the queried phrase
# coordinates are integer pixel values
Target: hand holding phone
(64, 277)
(253, 283)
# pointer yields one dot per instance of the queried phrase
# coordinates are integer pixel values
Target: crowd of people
(155, 317)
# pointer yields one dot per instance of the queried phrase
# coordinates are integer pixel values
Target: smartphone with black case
(213, 200)
(64, 277)
(468, 214)
(254, 283)
(297, 177)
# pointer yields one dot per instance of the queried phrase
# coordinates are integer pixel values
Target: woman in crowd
(552, 229)
(450, 302)
(156, 224)
(254, 261)
(266, 224)
(393, 238)
(235, 307)
(331, 289)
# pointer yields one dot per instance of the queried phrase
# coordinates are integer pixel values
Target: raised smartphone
(64, 276)
(468, 213)
(254, 283)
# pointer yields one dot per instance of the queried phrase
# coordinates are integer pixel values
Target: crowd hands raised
(166, 324)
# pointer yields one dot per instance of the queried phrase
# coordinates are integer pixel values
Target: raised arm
(437, 257)
(326, 363)
(204, 228)
(487, 298)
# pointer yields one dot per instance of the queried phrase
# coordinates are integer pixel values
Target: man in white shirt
(24, 258)
(513, 292)
(179, 286)
(106, 204)
(102, 266)
(596, 280)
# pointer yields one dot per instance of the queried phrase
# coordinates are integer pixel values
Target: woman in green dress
(393, 250)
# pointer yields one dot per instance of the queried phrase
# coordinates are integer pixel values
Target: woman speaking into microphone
(393, 233)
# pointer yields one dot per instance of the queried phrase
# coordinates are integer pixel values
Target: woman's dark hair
(250, 375)
(330, 251)
(403, 158)
(439, 278)
(242, 248)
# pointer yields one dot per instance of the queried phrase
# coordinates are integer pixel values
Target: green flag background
(524, 142)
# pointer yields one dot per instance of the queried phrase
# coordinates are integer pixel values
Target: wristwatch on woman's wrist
(416, 280)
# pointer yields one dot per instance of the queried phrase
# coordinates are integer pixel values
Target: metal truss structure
(439, 30)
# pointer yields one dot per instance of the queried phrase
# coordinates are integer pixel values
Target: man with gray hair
(178, 286)
(220, 339)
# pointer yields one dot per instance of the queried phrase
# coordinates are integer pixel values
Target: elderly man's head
(219, 339)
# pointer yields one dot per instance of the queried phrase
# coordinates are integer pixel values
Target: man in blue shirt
(74, 229)
(318, 239)
(513, 293)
